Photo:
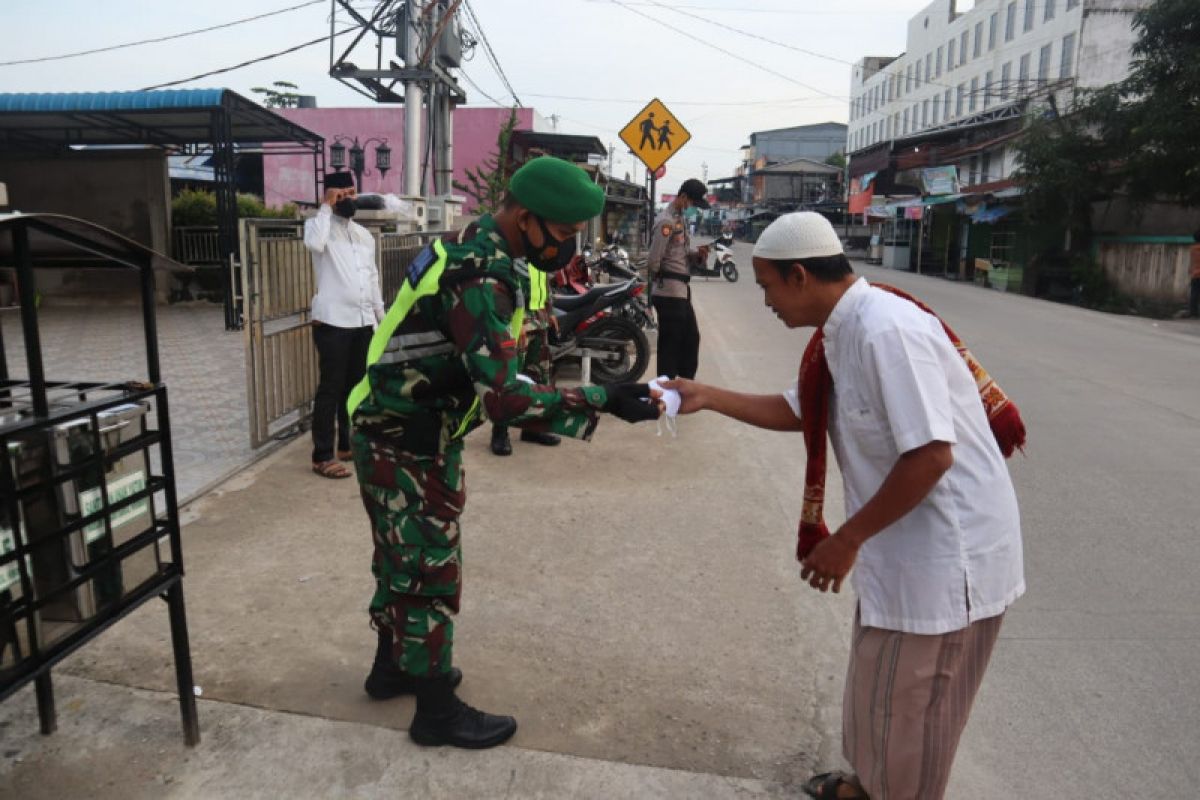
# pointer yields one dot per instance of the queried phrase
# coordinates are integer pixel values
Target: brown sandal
(825, 787)
(330, 469)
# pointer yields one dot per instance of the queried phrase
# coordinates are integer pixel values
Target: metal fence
(277, 285)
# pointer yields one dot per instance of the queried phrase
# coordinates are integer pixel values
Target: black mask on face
(345, 207)
(553, 255)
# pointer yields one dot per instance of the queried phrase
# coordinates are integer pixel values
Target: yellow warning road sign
(654, 134)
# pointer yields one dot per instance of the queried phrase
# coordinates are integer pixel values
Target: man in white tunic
(932, 529)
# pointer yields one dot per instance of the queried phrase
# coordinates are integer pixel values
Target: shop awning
(992, 214)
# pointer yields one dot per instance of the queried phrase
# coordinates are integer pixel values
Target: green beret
(556, 190)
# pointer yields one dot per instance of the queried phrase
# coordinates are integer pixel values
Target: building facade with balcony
(962, 68)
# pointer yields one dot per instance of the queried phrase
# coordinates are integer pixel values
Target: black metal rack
(80, 548)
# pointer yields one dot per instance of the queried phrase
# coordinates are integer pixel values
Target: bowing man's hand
(829, 563)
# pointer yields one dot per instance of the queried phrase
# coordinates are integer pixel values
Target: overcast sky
(610, 53)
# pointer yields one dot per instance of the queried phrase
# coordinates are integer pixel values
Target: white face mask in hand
(671, 402)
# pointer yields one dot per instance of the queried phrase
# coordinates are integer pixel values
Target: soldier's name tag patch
(420, 265)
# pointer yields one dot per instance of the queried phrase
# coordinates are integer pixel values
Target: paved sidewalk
(202, 363)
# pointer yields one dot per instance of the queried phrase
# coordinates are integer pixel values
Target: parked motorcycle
(575, 280)
(598, 322)
(723, 265)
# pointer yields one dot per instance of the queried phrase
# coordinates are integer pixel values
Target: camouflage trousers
(413, 504)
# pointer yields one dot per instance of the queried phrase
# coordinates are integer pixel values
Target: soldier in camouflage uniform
(443, 359)
(534, 345)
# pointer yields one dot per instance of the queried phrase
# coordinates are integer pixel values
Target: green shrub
(198, 207)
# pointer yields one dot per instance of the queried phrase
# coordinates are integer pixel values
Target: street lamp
(358, 165)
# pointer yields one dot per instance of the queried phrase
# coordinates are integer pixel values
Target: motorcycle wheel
(625, 346)
(730, 272)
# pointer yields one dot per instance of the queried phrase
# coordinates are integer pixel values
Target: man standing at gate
(667, 262)
(345, 309)
(443, 359)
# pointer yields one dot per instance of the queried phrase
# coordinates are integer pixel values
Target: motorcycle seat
(571, 302)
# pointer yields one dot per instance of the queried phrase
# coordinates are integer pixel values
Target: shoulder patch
(420, 265)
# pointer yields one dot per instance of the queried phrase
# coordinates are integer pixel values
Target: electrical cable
(463, 73)
(719, 49)
(488, 47)
(260, 59)
(159, 38)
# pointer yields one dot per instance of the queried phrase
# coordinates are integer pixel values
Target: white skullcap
(797, 236)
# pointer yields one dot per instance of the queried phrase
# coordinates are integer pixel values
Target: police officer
(443, 359)
(670, 249)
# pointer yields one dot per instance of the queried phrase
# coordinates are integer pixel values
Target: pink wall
(289, 178)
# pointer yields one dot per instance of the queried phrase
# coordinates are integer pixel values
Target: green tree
(488, 182)
(1159, 122)
(280, 96)
(837, 159)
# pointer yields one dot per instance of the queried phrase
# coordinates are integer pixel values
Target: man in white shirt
(345, 309)
(932, 526)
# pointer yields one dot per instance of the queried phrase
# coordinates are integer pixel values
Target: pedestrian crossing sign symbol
(654, 135)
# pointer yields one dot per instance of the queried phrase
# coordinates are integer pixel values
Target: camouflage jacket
(454, 360)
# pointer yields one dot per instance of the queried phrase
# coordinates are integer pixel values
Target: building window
(946, 106)
(974, 94)
(916, 109)
(973, 172)
(993, 23)
(958, 103)
(938, 62)
(908, 79)
(1028, 16)
(962, 49)
(924, 113)
(904, 129)
(928, 67)
(1005, 81)
(1010, 22)
(949, 55)
(1068, 56)
(937, 101)
(985, 168)
(1071, 4)
(977, 49)
(1049, 10)
(987, 89)
(1044, 65)
(1023, 74)
(917, 75)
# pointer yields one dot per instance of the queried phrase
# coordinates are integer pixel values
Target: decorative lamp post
(358, 160)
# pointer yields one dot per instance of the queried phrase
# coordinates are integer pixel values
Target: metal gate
(277, 288)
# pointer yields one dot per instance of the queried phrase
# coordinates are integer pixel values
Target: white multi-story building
(970, 67)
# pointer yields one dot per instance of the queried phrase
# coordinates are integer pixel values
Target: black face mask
(553, 255)
(345, 207)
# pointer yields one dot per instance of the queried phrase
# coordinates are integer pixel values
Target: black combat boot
(544, 439)
(387, 680)
(442, 718)
(501, 446)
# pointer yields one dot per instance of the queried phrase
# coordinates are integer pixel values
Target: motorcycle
(723, 265)
(597, 322)
(581, 275)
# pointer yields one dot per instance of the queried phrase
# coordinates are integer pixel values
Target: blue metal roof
(111, 101)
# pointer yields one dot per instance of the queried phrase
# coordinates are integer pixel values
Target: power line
(642, 101)
(719, 49)
(487, 46)
(267, 57)
(789, 11)
(160, 38)
(463, 73)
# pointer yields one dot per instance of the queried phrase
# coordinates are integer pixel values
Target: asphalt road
(635, 602)
(1094, 689)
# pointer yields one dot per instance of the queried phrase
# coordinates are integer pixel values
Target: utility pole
(414, 96)
(425, 35)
